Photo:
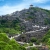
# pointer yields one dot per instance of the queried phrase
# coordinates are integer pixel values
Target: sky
(9, 6)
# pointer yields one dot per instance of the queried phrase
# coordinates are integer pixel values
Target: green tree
(2, 45)
(46, 37)
(8, 47)
(7, 44)
(4, 37)
(15, 45)
(48, 43)
(33, 48)
(33, 39)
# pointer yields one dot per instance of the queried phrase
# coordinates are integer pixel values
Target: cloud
(37, 1)
(7, 9)
(46, 7)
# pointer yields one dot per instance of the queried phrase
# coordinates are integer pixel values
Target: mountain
(26, 19)
(34, 14)
(28, 27)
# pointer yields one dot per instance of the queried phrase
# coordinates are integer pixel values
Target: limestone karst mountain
(27, 25)
(28, 17)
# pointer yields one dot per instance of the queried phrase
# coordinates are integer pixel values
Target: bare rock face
(40, 48)
(28, 35)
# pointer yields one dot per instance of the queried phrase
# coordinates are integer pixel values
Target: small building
(31, 6)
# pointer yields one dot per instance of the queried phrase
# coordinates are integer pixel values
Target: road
(40, 45)
(42, 28)
(24, 21)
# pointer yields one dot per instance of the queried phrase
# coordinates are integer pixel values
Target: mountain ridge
(34, 14)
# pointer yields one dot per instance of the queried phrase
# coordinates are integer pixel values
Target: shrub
(33, 48)
(33, 39)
